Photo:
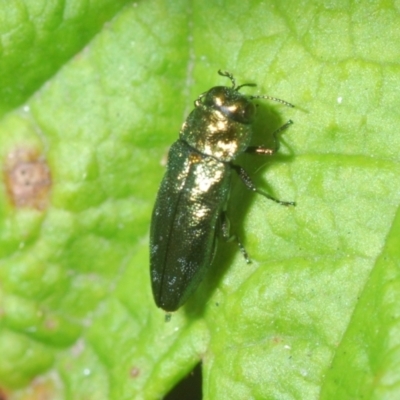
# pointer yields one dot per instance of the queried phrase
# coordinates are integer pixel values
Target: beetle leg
(243, 175)
(167, 317)
(225, 229)
(265, 151)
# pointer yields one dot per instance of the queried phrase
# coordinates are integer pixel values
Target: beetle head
(231, 103)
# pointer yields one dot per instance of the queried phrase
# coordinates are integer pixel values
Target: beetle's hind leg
(243, 175)
(225, 229)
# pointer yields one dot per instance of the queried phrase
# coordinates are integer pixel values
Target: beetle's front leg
(266, 151)
(243, 175)
(225, 229)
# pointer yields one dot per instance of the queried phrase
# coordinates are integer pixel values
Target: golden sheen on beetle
(190, 209)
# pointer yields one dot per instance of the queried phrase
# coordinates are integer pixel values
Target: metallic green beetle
(192, 199)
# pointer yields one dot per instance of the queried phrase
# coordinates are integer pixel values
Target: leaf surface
(93, 95)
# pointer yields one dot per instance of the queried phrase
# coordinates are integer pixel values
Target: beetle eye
(242, 111)
(248, 112)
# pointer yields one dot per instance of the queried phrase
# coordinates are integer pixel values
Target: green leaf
(83, 142)
(39, 36)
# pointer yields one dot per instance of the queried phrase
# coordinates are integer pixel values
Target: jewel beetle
(190, 209)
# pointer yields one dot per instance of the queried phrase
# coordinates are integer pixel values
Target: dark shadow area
(189, 388)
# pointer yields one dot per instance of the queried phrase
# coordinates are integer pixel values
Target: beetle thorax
(213, 133)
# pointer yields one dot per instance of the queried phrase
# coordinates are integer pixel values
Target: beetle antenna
(228, 75)
(245, 84)
(273, 99)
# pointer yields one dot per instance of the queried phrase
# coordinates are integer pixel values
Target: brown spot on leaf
(51, 324)
(3, 395)
(276, 340)
(134, 372)
(27, 178)
(42, 388)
